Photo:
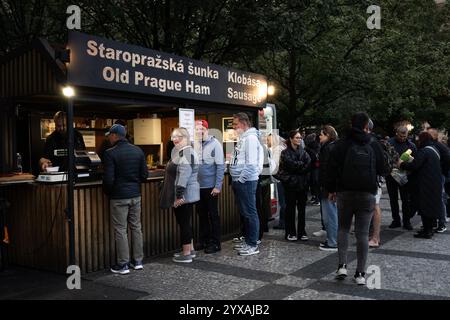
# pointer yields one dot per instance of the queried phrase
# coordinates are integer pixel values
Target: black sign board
(102, 63)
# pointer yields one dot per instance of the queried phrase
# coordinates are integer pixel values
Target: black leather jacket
(294, 168)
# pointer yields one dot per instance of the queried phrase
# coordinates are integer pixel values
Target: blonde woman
(181, 189)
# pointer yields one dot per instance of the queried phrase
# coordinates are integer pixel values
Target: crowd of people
(344, 176)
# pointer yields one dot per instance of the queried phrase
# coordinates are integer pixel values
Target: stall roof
(31, 70)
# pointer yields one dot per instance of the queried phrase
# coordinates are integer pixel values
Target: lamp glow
(271, 90)
(68, 92)
(262, 91)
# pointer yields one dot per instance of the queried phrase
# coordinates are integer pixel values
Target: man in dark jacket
(106, 144)
(352, 173)
(125, 169)
(444, 155)
(400, 143)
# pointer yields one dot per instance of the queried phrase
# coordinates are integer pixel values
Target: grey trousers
(361, 205)
(124, 211)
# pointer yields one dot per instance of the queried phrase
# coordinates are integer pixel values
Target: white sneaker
(193, 254)
(447, 219)
(291, 238)
(238, 240)
(359, 278)
(240, 246)
(249, 251)
(341, 272)
(258, 241)
(320, 233)
(304, 238)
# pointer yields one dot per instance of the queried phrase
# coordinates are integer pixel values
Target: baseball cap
(204, 123)
(117, 129)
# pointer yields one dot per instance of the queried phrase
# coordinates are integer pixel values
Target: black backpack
(359, 171)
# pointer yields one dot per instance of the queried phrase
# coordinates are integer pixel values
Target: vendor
(55, 149)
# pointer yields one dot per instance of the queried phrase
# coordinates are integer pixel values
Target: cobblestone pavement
(410, 269)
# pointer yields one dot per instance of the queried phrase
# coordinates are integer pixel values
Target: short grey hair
(402, 130)
(243, 117)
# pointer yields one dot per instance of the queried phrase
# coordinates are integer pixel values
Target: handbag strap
(435, 151)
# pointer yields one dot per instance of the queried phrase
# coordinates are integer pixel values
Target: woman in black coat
(293, 173)
(427, 167)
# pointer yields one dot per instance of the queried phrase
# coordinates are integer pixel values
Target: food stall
(153, 92)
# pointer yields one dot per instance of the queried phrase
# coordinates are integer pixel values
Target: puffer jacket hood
(359, 136)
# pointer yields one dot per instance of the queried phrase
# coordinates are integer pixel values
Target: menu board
(229, 134)
(187, 120)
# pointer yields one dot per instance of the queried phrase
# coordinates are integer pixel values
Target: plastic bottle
(19, 163)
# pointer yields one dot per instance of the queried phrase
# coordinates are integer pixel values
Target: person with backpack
(353, 167)
(401, 144)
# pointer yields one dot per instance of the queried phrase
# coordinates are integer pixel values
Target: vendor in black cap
(55, 149)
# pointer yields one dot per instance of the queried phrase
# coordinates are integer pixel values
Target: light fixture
(262, 91)
(68, 92)
(271, 90)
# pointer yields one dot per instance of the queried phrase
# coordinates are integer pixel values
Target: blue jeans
(245, 194)
(330, 220)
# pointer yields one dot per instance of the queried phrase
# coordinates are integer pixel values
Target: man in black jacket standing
(352, 171)
(125, 169)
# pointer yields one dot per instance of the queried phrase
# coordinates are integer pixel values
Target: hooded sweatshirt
(248, 157)
(212, 165)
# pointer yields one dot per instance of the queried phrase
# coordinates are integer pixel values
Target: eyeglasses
(176, 137)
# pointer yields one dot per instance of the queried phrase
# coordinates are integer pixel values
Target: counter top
(6, 179)
(10, 179)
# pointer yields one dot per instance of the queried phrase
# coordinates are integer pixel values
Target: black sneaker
(423, 235)
(408, 226)
(440, 229)
(200, 246)
(395, 224)
(121, 269)
(212, 248)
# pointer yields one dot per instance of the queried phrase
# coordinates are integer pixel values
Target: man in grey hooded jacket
(245, 168)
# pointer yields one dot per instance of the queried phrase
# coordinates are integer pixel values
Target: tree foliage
(324, 60)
